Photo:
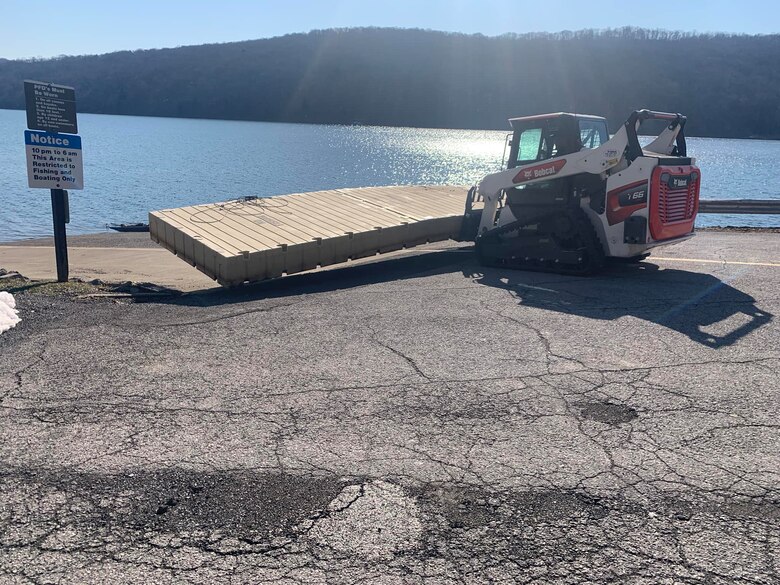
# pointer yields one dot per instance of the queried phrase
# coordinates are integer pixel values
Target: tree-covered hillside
(727, 85)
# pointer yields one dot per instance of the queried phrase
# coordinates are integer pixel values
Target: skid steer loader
(571, 197)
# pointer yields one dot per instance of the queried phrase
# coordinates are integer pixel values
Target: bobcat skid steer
(572, 197)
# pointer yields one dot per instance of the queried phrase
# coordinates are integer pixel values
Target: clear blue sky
(44, 28)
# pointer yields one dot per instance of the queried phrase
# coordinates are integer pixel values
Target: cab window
(593, 133)
(530, 143)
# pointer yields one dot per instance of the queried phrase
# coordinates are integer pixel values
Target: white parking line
(703, 261)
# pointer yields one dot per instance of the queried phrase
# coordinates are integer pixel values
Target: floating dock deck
(249, 240)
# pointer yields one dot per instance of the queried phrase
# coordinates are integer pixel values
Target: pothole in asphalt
(374, 520)
(607, 412)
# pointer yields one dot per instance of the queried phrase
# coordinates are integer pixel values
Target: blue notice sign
(52, 139)
(53, 160)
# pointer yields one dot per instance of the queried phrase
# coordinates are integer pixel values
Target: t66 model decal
(625, 200)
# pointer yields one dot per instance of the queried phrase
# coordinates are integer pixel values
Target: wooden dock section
(249, 240)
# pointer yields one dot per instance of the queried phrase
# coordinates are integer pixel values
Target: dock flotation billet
(253, 239)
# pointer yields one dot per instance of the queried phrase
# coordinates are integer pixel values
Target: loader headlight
(665, 177)
(694, 176)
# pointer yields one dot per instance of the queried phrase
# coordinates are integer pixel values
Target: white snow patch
(9, 317)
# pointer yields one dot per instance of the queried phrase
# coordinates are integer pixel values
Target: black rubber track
(495, 251)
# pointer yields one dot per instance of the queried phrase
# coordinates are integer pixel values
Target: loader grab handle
(635, 120)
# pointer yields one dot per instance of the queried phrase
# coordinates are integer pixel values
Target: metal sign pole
(60, 238)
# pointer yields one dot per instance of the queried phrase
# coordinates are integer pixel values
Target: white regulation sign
(53, 160)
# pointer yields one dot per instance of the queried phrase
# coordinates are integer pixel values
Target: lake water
(133, 165)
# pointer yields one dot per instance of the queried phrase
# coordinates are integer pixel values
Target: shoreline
(94, 240)
(142, 239)
(123, 258)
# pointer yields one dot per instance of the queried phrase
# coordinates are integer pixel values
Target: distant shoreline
(761, 139)
(413, 78)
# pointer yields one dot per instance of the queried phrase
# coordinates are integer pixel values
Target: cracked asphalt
(417, 420)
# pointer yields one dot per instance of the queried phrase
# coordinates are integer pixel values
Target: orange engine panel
(674, 201)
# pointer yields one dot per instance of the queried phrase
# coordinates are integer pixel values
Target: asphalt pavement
(413, 420)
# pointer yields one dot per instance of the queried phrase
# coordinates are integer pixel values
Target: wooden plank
(181, 219)
(240, 240)
(323, 216)
(350, 209)
(414, 208)
(338, 212)
(236, 221)
(209, 231)
(243, 229)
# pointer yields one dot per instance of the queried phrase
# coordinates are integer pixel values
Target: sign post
(60, 239)
(53, 154)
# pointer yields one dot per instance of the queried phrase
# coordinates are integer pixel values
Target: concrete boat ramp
(253, 239)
